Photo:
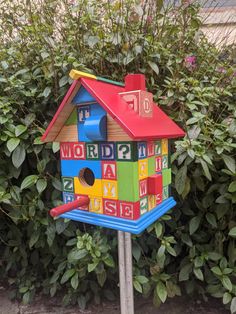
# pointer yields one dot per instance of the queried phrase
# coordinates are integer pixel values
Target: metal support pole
(125, 272)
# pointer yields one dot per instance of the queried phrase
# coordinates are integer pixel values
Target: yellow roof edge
(75, 75)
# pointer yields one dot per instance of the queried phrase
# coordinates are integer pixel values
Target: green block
(126, 151)
(72, 118)
(92, 151)
(157, 148)
(166, 177)
(164, 161)
(165, 192)
(68, 184)
(128, 183)
(151, 166)
(143, 205)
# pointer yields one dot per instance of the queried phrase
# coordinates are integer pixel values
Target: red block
(129, 210)
(109, 171)
(72, 150)
(110, 207)
(150, 149)
(143, 188)
(155, 184)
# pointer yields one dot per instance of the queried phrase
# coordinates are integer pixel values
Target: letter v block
(128, 182)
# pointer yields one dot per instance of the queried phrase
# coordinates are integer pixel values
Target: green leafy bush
(192, 249)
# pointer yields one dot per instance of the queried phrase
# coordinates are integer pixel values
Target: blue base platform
(132, 226)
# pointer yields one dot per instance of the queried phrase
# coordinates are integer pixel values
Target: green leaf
(55, 147)
(76, 254)
(101, 277)
(136, 251)
(138, 286)
(29, 181)
(141, 279)
(18, 156)
(232, 187)
(211, 219)
(205, 169)
(161, 291)
(158, 229)
(227, 283)
(109, 261)
(74, 281)
(46, 92)
(198, 273)
(92, 266)
(26, 298)
(34, 238)
(67, 275)
(232, 232)
(184, 272)
(154, 67)
(216, 270)
(180, 179)
(227, 298)
(20, 129)
(13, 143)
(233, 306)
(194, 224)
(63, 81)
(230, 163)
(41, 185)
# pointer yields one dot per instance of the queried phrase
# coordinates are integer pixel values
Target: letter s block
(110, 207)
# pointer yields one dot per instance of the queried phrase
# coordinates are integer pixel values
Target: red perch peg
(80, 202)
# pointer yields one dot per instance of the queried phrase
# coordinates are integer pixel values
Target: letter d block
(107, 151)
(110, 207)
(129, 210)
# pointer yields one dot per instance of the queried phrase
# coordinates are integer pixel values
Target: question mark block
(126, 151)
(128, 182)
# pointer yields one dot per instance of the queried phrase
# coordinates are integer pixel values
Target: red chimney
(135, 82)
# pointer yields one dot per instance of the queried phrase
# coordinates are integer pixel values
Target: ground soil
(178, 305)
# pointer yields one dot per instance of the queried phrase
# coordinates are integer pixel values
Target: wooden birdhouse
(114, 148)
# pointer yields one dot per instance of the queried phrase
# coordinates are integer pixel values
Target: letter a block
(110, 207)
(109, 188)
(109, 171)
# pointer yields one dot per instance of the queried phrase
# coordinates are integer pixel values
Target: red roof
(136, 126)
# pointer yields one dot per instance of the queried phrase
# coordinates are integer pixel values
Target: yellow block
(75, 75)
(110, 189)
(164, 146)
(151, 202)
(142, 168)
(95, 190)
(95, 204)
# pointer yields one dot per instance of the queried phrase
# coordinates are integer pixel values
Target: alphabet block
(127, 178)
(92, 151)
(129, 210)
(68, 197)
(159, 198)
(107, 151)
(109, 170)
(110, 189)
(72, 151)
(95, 204)
(157, 148)
(154, 183)
(140, 101)
(71, 168)
(164, 162)
(86, 207)
(143, 168)
(158, 165)
(68, 184)
(83, 113)
(143, 205)
(126, 151)
(142, 150)
(150, 148)
(95, 189)
(164, 146)
(165, 192)
(166, 175)
(151, 165)
(143, 187)
(151, 201)
(110, 207)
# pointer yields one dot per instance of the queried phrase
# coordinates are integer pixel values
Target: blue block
(71, 168)
(82, 96)
(142, 150)
(68, 197)
(108, 151)
(132, 226)
(96, 116)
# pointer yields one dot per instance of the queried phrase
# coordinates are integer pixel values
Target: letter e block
(109, 171)
(129, 210)
(110, 207)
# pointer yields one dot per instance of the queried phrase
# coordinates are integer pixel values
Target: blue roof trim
(132, 226)
(83, 97)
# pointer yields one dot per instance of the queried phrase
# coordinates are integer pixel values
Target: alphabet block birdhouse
(114, 150)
